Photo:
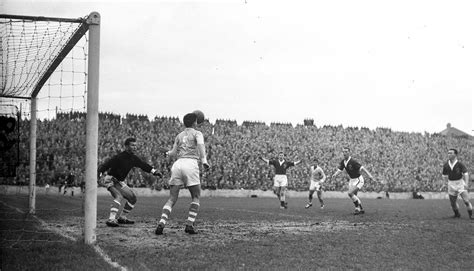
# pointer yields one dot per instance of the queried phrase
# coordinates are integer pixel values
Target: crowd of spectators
(404, 161)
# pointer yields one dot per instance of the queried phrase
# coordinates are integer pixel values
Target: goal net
(49, 95)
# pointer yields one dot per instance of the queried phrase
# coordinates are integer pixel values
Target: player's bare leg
(195, 192)
(467, 202)
(320, 198)
(454, 205)
(167, 208)
(310, 199)
(357, 203)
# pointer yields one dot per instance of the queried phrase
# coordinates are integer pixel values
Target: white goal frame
(92, 25)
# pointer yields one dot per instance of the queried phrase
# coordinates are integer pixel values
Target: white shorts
(280, 181)
(185, 171)
(356, 182)
(456, 187)
(315, 186)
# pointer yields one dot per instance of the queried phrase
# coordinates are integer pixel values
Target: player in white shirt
(189, 149)
(316, 181)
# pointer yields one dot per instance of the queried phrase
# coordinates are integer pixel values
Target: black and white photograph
(236, 135)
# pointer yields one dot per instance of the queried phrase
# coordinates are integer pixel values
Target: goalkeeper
(116, 170)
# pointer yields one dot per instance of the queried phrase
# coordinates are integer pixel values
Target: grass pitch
(240, 233)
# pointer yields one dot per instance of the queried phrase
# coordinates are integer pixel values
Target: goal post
(92, 130)
(32, 49)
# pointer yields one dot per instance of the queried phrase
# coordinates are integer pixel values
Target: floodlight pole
(32, 185)
(92, 130)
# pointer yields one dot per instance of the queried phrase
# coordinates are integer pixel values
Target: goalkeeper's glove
(156, 173)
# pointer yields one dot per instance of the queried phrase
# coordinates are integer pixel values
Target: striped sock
(193, 211)
(165, 215)
(127, 209)
(114, 208)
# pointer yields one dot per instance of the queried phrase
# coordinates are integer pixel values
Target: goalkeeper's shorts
(108, 181)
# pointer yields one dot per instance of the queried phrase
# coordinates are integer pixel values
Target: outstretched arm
(297, 161)
(336, 173)
(264, 159)
(367, 172)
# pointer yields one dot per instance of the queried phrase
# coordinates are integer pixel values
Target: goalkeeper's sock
(114, 208)
(127, 209)
(165, 215)
(470, 213)
(192, 214)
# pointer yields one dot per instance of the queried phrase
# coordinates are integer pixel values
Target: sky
(404, 65)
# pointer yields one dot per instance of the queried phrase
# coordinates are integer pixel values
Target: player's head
(316, 161)
(130, 144)
(452, 153)
(281, 156)
(189, 120)
(346, 151)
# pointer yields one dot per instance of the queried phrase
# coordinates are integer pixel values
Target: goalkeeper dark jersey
(120, 165)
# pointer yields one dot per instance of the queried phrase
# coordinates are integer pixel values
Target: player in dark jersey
(280, 181)
(457, 177)
(354, 170)
(116, 170)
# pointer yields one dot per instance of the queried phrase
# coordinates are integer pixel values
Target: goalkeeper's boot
(124, 220)
(308, 205)
(322, 206)
(112, 223)
(159, 229)
(190, 229)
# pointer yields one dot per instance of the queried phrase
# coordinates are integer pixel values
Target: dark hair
(130, 139)
(454, 150)
(189, 119)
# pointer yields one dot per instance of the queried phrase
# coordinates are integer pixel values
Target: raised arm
(264, 159)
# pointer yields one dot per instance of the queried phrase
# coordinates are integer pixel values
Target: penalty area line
(96, 247)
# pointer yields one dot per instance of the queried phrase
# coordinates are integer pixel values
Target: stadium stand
(406, 161)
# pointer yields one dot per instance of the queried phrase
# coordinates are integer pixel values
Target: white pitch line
(96, 247)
